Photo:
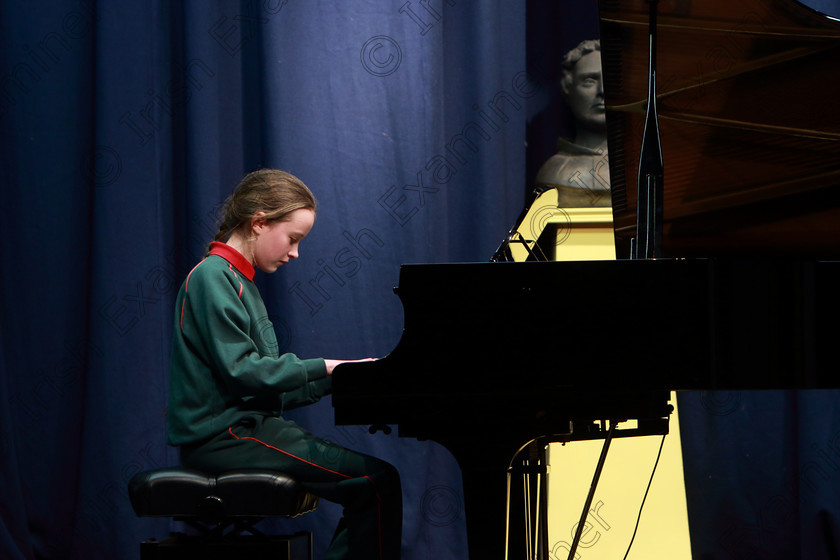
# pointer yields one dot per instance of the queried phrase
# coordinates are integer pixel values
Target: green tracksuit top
(225, 361)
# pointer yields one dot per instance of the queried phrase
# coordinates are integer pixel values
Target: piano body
(494, 355)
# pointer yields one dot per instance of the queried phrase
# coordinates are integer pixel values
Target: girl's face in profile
(278, 242)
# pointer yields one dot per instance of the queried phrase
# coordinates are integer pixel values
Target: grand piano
(739, 102)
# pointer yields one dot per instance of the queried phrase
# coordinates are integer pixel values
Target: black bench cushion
(185, 493)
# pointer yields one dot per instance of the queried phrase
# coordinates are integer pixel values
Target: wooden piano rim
(740, 28)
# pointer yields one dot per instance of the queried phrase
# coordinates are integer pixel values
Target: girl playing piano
(229, 386)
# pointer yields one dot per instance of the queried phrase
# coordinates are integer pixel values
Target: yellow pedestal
(564, 234)
(582, 234)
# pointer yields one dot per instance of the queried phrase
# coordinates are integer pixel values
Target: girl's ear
(258, 222)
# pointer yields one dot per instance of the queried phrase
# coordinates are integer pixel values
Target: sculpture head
(583, 85)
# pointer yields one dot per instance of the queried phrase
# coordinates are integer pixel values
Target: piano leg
(495, 523)
(484, 471)
(485, 503)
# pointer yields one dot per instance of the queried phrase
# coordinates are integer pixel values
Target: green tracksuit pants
(368, 488)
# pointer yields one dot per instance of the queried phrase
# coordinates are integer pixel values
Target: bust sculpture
(579, 170)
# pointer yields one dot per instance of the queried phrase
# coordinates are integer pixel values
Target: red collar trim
(234, 257)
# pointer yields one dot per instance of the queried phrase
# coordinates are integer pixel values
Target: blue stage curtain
(123, 127)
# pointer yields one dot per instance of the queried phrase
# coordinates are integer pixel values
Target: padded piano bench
(222, 508)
